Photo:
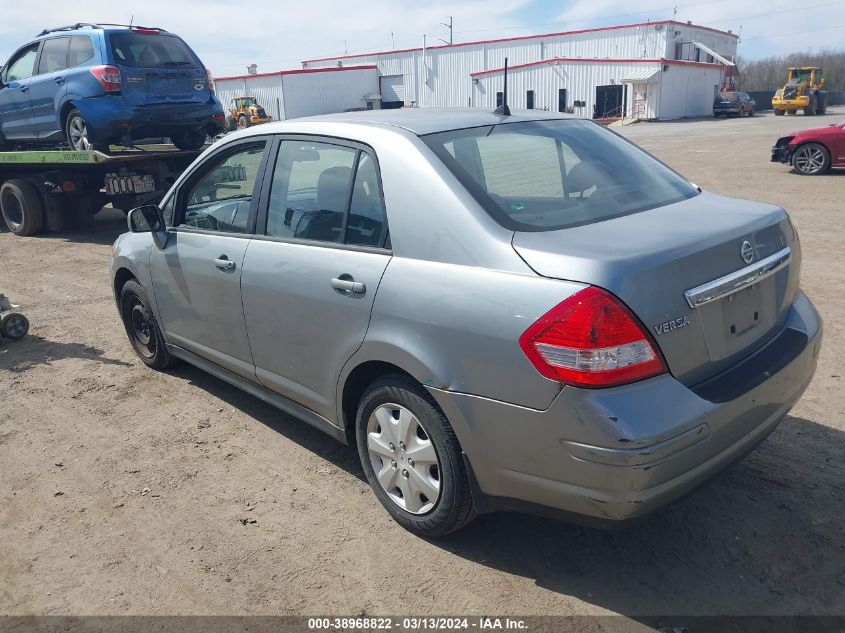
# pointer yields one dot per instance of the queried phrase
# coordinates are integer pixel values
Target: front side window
(53, 55)
(326, 193)
(221, 198)
(548, 175)
(23, 65)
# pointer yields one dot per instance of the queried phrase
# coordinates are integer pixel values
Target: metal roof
(419, 121)
(643, 76)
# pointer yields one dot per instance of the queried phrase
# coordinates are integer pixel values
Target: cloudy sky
(282, 32)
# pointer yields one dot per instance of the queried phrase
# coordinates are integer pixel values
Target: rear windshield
(547, 175)
(147, 50)
(728, 96)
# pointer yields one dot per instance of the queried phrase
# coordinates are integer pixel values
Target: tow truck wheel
(14, 326)
(23, 210)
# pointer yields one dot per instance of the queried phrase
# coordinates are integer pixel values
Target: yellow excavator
(803, 91)
(245, 112)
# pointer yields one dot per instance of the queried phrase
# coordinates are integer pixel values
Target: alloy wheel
(78, 133)
(403, 458)
(810, 159)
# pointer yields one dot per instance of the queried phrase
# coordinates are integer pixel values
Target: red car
(812, 152)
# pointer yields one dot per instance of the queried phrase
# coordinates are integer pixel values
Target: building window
(561, 100)
(500, 98)
(529, 99)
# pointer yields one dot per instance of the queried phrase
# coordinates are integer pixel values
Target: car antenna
(503, 109)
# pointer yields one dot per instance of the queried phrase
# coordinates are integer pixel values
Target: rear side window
(150, 50)
(548, 175)
(81, 51)
(326, 193)
(53, 55)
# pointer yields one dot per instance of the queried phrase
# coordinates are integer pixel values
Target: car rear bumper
(111, 117)
(609, 455)
(726, 110)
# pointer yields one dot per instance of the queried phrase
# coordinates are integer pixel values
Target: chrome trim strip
(736, 281)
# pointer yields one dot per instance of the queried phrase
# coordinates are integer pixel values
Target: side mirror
(149, 219)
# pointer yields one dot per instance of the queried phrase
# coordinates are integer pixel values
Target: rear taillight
(210, 79)
(591, 340)
(109, 77)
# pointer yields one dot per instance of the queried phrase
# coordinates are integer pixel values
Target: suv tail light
(109, 77)
(591, 340)
(210, 79)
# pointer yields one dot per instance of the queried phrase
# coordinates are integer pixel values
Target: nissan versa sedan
(521, 312)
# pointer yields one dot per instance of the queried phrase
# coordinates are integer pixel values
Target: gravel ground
(126, 491)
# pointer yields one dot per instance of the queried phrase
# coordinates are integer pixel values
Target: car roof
(421, 121)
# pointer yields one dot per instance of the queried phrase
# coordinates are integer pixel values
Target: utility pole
(451, 31)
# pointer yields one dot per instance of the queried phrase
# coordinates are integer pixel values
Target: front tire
(412, 458)
(811, 159)
(141, 327)
(779, 112)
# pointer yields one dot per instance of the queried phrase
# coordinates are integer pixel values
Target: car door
(311, 273)
(197, 276)
(16, 119)
(48, 86)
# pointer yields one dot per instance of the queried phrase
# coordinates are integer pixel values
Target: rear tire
(141, 327)
(811, 159)
(76, 134)
(424, 431)
(22, 207)
(14, 326)
(189, 140)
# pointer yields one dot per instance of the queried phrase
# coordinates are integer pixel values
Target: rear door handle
(347, 284)
(224, 263)
(59, 80)
(24, 88)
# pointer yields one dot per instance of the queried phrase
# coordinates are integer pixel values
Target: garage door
(392, 88)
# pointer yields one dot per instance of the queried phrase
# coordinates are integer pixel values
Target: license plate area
(739, 319)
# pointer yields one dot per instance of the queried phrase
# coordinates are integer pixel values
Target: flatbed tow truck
(55, 190)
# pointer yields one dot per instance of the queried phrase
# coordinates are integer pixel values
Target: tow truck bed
(54, 190)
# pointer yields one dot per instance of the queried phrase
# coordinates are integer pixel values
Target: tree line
(769, 73)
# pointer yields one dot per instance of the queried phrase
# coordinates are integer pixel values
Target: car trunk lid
(650, 259)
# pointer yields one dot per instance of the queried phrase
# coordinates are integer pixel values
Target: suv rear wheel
(189, 139)
(412, 458)
(76, 133)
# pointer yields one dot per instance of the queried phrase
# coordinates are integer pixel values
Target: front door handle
(224, 263)
(59, 80)
(347, 284)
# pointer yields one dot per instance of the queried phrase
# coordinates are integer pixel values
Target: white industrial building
(655, 70)
(289, 94)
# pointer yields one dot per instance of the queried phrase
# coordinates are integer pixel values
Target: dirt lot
(126, 491)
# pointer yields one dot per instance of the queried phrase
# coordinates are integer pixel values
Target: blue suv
(92, 85)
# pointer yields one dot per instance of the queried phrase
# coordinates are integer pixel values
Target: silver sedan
(519, 312)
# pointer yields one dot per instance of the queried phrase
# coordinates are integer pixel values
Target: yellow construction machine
(245, 112)
(803, 91)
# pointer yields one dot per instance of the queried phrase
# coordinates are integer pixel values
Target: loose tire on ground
(422, 429)
(22, 207)
(14, 326)
(141, 327)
